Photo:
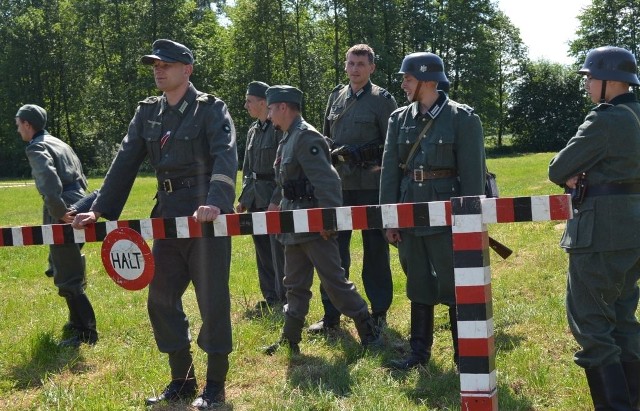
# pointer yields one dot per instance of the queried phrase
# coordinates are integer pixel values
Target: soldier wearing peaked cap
(434, 151)
(189, 138)
(261, 193)
(308, 180)
(59, 178)
(601, 164)
(356, 121)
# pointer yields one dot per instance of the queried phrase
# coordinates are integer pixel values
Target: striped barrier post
(472, 272)
(467, 216)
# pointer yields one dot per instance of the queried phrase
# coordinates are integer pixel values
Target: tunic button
(575, 211)
(407, 142)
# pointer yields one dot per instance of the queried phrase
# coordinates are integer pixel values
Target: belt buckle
(167, 186)
(418, 175)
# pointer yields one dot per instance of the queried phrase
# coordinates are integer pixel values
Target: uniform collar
(39, 135)
(182, 106)
(366, 89)
(623, 98)
(264, 125)
(434, 110)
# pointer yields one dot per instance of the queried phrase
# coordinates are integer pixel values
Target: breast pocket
(189, 144)
(440, 151)
(152, 136)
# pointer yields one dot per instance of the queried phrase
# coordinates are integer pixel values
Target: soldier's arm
(313, 157)
(47, 180)
(470, 155)
(391, 173)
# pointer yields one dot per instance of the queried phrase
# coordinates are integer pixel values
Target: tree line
(80, 60)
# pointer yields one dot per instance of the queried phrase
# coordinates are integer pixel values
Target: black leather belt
(420, 175)
(172, 184)
(258, 176)
(613, 189)
(72, 186)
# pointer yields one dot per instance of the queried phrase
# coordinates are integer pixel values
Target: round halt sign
(127, 258)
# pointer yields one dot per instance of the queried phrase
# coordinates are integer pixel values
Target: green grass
(534, 347)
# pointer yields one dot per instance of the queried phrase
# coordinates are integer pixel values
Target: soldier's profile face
(170, 76)
(23, 129)
(254, 105)
(409, 86)
(275, 115)
(593, 87)
(358, 68)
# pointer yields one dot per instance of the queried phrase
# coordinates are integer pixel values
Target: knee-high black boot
(82, 309)
(421, 338)
(632, 373)
(608, 386)
(453, 320)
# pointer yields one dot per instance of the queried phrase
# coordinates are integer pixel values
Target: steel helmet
(611, 63)
(424, 67)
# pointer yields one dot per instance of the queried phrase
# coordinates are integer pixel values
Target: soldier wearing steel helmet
(434, 150)
(601, 164)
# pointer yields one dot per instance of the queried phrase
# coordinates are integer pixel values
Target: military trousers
(376, 269)
(68, 269)
(602, 298)
(323, 255)
(205, 262)
(428, 263)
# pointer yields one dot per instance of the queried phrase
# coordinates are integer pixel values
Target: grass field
(534, 347)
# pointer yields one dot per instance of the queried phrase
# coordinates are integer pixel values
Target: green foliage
(543, 114)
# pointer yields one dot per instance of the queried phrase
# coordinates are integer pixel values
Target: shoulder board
(206, 98)
(381, 91)
(150, 100)
(338, 87)
(464, 107)
(303, 126)
(602, 107)
(398, 110)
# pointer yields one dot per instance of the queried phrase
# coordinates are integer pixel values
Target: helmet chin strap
(415, 93)
(603, 91)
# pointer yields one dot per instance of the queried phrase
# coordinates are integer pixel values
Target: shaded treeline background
(80, 60)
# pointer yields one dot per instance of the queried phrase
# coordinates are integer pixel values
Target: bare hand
(393, 236)
(206, 213)
(273, 207)
(571, 183)
(327, 234)
(83, 219)
(69, 216)
(240, 208)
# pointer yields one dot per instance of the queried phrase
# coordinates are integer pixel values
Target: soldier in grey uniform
(356, 121)
(601, 164)
(307, 180)
(189, 138)
(434, 151)
(58, 175)
(261, 193)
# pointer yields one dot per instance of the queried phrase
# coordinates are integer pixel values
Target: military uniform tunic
(303, 155)
(359, 120)
(195, 141)
(602, 239)
(58, 176)
(259, 189)
(454, 143)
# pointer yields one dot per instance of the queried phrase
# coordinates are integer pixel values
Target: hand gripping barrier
(467, 216)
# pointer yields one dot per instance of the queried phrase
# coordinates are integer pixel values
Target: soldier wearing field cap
(434, 151)
(308, 180)
(189, 139)
(601, 165)
(356, 121)
(58, 175)
(261, 193)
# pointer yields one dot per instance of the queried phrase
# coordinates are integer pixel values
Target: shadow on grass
(44, 357)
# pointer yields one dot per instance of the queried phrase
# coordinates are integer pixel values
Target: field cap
(34, 114)
(169, 51)
(258, 89)
(284, 94)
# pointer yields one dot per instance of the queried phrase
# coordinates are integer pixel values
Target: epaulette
(206, 98)
(399, 109)
(383, 92)
(465, 107)
(150, 100)
(303, 126)
(602, 107)
(338, 87)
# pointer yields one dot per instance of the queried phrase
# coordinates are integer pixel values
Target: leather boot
(368, 332)
(453, 320)
(608, 386)
(632, 374)
(421, 338)
(291, 336)
(86, 333)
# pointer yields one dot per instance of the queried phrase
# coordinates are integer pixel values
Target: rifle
(501, 249)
